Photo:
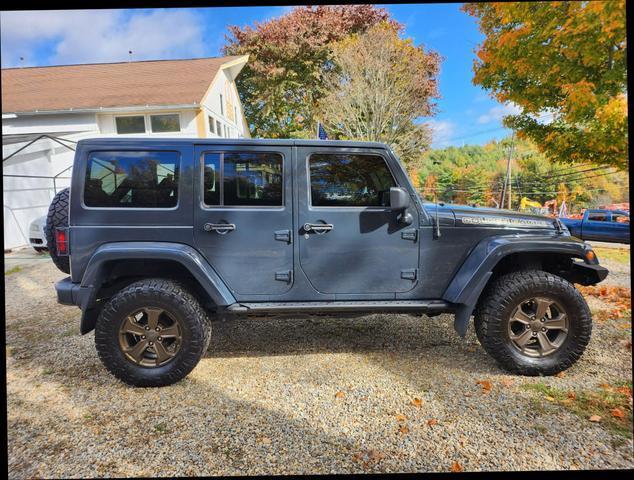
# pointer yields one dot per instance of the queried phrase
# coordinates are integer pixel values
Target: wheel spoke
(130, 326)
(522, 339)
(153, 315)
(545, 345)
(137, 351)
(521, 317)
(162, 353)
(170, 332)
(557, 323)
(542, 307)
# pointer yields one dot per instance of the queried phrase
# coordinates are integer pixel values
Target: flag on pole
(563, 210)
(321, 133)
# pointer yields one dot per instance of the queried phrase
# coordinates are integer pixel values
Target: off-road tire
(175, 299)
(57, 218)
(507, 292)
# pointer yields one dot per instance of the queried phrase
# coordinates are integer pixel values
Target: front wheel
(533, 323)
(152, 333)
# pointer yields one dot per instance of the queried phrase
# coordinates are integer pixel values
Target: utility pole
(507, 177)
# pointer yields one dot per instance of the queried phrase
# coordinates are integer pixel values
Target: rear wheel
(533, 323)
(57, 218)
(152, 333)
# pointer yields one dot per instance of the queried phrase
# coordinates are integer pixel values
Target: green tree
(565, 65)
(381, 85)
(288, 58)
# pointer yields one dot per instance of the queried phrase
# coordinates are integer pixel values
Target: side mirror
(399, 199)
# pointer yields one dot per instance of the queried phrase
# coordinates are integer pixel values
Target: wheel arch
(496, 256)
(113, 266)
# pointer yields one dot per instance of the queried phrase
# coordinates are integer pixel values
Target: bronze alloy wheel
(538, 327)
(150, 337)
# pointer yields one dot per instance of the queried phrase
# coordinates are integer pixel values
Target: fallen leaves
(595, 418)
(368, 457)
(617, 413)
(340, 394)
(560, 374)
(403, 429)
(507, 382)
(456, 467)
(401, 418)
(486, 385)
(417, 402)
(432, 422)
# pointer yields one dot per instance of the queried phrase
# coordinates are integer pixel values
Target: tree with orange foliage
(563, 61)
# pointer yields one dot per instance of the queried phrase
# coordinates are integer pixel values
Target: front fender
(187, 256)
(468, 283)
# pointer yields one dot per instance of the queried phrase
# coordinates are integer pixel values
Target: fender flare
(185, 255)
(471, 278)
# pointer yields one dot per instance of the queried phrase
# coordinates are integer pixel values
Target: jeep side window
(132, 179)
(249, 179)
(349, 180)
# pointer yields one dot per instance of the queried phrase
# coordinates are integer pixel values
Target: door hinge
(284, 276)
(409, 274)
(283, 236)
(411, 234)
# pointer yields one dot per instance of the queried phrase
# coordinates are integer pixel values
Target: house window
(218, 128)
(130, 124)
(222, 106)
(165, 123)
(132, 179)
(212, 124)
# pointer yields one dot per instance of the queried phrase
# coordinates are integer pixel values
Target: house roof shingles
(108, 85)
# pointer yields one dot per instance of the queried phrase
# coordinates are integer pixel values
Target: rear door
(351, 243)
(243, 216)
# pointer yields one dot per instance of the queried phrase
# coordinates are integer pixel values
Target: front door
(243, 216)
(350, 241)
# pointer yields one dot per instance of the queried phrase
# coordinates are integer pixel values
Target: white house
(194, 98)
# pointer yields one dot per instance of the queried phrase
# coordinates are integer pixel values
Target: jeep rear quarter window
(341, 180)
(132, 179)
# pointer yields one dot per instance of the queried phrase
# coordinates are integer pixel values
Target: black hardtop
(127, 141)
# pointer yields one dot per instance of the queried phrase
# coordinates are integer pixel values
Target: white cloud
(495, 114)
(442, 132)
(92, 36)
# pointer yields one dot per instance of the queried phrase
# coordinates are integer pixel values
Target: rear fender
(188, 257)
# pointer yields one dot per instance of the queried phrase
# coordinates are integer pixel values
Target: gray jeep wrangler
(162, 236)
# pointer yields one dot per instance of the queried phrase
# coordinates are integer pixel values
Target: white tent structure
(35, 168)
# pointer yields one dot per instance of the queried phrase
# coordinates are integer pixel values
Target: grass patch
(160, 428)
(612, 403)
(620, 255)
(15, 269)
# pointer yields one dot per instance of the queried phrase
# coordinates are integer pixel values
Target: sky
(466, 113)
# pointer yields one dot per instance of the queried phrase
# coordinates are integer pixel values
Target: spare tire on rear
(57, 218)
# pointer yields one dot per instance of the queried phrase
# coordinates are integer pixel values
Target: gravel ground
(282, 396)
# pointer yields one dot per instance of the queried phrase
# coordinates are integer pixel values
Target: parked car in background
(37, 238)
(601, 225)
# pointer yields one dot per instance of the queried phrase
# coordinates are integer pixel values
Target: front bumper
(588, 274)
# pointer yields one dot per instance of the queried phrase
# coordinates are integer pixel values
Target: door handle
(219, 228)
(318, 228)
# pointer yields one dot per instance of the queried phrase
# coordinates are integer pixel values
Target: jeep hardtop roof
(229, 141)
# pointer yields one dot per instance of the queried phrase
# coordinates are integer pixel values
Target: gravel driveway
(383, 393)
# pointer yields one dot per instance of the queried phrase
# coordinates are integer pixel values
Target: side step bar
(418, 306)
